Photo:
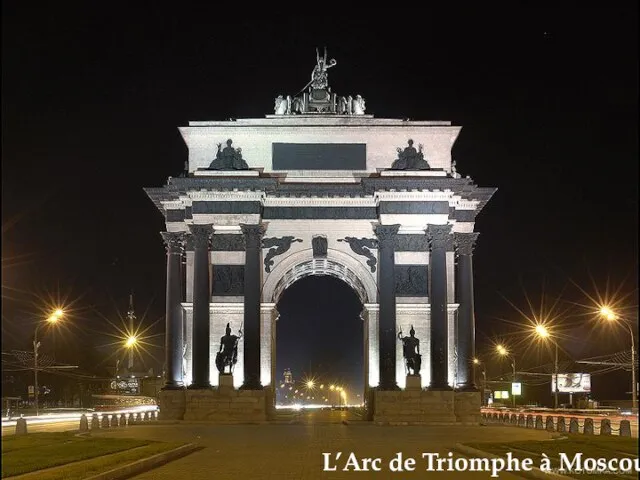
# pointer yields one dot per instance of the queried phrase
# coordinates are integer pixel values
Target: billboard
(572, 382)
(516, 388)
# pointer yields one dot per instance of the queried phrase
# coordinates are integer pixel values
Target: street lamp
(477, 362)
(52, 319)
(502, 351)
(611, 316)
(543, 333)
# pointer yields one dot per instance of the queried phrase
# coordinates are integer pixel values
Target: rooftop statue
(228, 158)
(410, 159)
(319, 77)
(316, 96)
(411, 352)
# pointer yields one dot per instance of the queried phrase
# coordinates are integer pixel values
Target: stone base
(414, 382)
(426, 407)
(467, 407)
(171, 404)
(225, 380)
(217, 405)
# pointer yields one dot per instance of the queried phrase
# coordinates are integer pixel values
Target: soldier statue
(227, 356)
(411, 352)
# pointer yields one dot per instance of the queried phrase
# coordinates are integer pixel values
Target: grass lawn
(37, 451)
(590, 446)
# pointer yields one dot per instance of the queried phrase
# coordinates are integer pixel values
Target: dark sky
(92, 98)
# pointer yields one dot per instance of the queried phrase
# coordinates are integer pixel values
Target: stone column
(201, 299)
(252, 283)
(440, 239)
(466, 318)
(387, 286)
(173, 314)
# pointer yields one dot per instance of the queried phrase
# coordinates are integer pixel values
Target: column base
(388, 387)
(173, 386)
(251, 386)
(468, 387)
(195, 386)
(440, 388)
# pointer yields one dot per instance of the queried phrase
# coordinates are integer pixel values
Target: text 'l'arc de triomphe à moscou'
(320, 187)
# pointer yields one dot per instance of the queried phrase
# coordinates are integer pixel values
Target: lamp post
(53, 318)
(611, 316)
(543, 332)
(505, 353)
(477, 362)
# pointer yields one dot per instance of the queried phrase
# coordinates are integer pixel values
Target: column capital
(253, 234)
(189, 243)
(386, 234)
(439, 236)
(201, 234)
(465, 242)
(173, 241)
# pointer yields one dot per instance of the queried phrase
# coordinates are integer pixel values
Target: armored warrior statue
(227, 356)
(411, 352)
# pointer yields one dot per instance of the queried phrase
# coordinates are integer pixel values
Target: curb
(535, 473)
(145, 464)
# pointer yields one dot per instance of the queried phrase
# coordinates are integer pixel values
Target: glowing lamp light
(542, 331)
(607, 313)
(501, 350)
(310, 384)
(476, 361)
(131, 341)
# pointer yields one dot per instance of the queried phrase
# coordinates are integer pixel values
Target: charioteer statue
(411, 352)
(227, 356)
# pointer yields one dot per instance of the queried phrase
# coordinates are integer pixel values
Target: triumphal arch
(319, 187)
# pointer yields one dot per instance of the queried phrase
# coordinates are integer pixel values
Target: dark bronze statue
(410, 159)
(227, 356)
(411, 352)
(228, 158)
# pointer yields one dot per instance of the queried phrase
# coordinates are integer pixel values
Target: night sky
(92, 98)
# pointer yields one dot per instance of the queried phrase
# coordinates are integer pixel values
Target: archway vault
(336, 264)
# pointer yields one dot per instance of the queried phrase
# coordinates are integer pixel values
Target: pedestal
(225, 380)
(414, 382)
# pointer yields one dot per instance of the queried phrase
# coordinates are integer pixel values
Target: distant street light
(543, 332)
(57, 314)
(611, 316)
(477, 362)
(502, 351)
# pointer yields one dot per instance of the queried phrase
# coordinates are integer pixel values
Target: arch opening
(319, 338)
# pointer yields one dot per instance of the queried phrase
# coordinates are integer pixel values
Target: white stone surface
(412, 258)
(451, 279)
(371, 314)
(227, 258)
(381, 136)
(452, 318)
(268, 315)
